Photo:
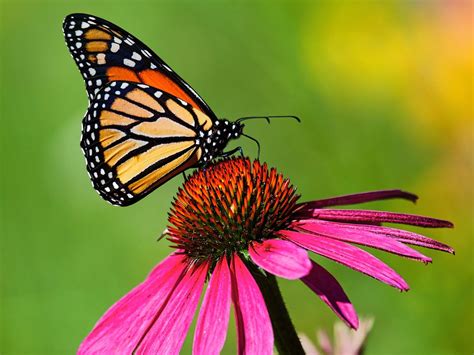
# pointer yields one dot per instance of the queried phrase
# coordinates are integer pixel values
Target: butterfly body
(213, 141)
(144, 124)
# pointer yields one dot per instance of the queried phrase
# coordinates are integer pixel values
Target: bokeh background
(385, 91)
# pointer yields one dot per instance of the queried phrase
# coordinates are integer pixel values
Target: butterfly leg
(232, 152)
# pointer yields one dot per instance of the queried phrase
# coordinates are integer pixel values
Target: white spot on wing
(114, 47)
(101, 58)
(136, 56)
(129, 63)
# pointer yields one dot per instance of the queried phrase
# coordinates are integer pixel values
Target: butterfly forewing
(104, 53)
(136, 137)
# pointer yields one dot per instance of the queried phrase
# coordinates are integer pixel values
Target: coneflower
(237, 225)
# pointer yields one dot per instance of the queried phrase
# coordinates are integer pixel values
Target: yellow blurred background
(385, 92)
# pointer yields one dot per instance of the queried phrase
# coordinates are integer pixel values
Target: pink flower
(236, 224)
(345, 341)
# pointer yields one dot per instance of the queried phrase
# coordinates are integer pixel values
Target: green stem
(286, 338)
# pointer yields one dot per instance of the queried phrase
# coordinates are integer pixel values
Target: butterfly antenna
(267, 118)
(256, 141)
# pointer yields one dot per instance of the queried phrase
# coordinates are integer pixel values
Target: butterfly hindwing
(104, 53)
(135, 138)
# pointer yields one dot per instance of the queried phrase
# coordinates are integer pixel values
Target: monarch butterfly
(144, 124)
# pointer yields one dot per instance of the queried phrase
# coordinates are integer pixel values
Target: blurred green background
(385, 91)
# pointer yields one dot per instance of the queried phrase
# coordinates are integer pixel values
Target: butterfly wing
(135, 138)
(104, 52)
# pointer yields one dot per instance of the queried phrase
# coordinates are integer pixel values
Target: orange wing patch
(203, 119)
(163, 127)
(138, 163)
(117, 152)
(160, 175)
(143, 98)
(130, 108)
(150, 77)
(180, 112)
(97, 46)
(108, 136)
(122, 74)
(96, 34)
(109, 118)
(162, 82)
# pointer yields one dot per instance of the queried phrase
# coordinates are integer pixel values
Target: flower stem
(286, 338)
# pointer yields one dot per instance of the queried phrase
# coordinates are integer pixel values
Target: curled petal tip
(403, 287)
(440, 223)
(408, 196)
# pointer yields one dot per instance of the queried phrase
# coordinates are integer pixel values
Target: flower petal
(330, 291)
(211, 328)
(359, 198)
(168, 332)
(361, 236)
(348, 255)
(366, 216)
(407, 237)
(308, 346)
(254, 328)
(402, 236)
(350, 342)
(128, 320)
(281, 258)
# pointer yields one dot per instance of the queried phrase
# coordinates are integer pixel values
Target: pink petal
(404, 237)
(254, 328)
(168, 332)
(281, 258)
(330, 291)
(348, 255)
(366, 216)
(211, 329)
(359, 198)
(325, 342)
(128, 320)
(362, 236)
